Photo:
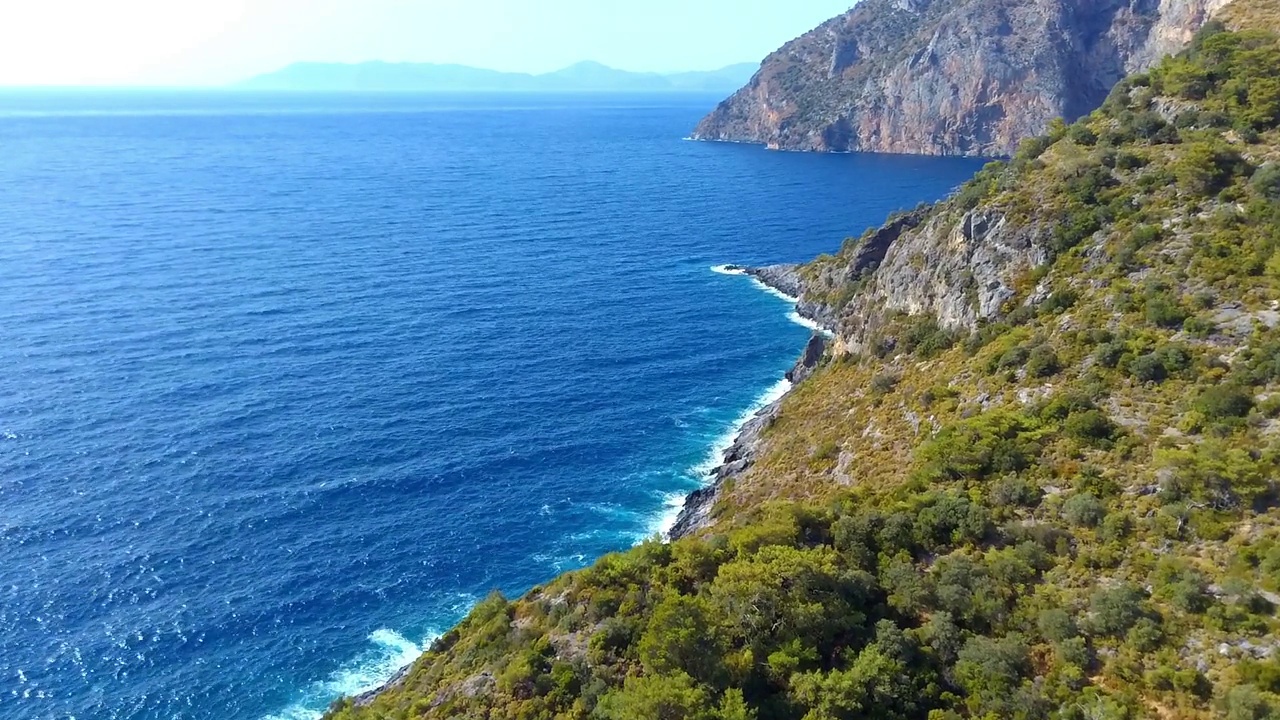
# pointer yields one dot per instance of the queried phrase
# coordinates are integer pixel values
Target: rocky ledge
(788, 280)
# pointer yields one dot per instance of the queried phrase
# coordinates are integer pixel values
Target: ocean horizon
(293, 381)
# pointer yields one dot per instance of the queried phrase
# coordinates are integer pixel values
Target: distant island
(428, 77)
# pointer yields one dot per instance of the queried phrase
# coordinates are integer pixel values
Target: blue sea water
(287, 383)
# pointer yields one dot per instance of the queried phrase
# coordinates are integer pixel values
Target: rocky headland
(949, 77)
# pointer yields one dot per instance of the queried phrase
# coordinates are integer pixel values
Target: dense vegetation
(1071, 512)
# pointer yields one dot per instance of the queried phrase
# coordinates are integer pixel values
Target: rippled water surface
(288, 382)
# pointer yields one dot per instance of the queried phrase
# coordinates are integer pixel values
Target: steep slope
(949, 77)
(1034, 475)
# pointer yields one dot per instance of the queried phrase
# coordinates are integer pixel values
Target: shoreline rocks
(742, 454)
(788, 280)
(366, 698)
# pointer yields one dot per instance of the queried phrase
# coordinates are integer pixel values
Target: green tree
(656, 697)
(1114, 610)
(1089, 426)
(734, 707)
(783, 593)
(1043, 362)
(991, 672)
(681, 637)
(1056, 625)
(1246, 702)
(873, 686)
(1205, 167)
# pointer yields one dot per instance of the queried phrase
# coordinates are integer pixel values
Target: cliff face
(961, 268)
(949, 77)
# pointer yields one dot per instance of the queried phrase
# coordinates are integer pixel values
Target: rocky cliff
(949, 77)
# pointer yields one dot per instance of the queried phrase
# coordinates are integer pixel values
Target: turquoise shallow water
(290, 381)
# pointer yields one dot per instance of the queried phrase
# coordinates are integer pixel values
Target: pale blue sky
(210, 42)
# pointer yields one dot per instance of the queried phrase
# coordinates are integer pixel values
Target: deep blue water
(287, 383)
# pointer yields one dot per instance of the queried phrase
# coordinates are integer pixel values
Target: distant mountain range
(427, 77)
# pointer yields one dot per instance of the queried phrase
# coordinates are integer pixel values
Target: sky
(214, 42)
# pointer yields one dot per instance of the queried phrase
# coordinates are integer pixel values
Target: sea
(289, 382)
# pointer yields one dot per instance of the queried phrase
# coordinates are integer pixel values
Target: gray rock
(808, 362)
(960, 269)
(785, 279)
(741, 455)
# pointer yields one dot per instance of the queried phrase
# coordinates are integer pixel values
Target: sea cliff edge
(742, 453)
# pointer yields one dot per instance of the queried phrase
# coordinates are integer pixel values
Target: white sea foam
(390, 653)
(715, 456)
(796, 318)
(674, 502)
(793, 316)
(775, 291)
(561, 563)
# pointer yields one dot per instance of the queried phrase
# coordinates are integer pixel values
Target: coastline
(739, 454)
(785, 282)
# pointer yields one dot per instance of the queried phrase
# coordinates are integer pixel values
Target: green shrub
(1108, 354)
(1265, 674)
(1181, 586)
(1145, 635)
(1198, 327)
(994, 442)
(1089, 426)
(1063, 404)
(1031, 148)
(1148, 368)
(1043, 362)
(1080, 134)
(1246, 702)
(1174, 358)
(1059, 301)
(1205, 167)
(1183, 77)
(1075, 227)
(991, 672)
(656, 696)
(884, 383)
(1224, 401)
(924, 337)
(1056, 625)
(1114, 610)
(1164, 311)
(1014, 492)
(1130, 160)
(1266, 180)
(1083, 510)
(1013, 358)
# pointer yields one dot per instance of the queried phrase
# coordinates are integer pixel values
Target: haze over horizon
(212, 43)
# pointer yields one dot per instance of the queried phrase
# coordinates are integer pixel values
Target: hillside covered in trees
(1035, 476)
